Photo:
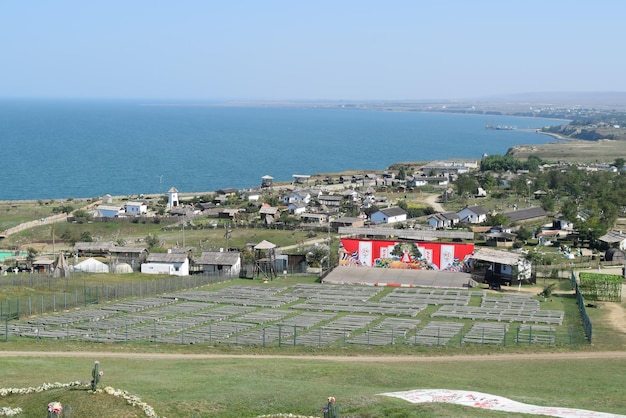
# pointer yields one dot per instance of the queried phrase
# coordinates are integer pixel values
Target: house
(227, 192)
(472, 215)
(136, 208)
(297, 208)
(173, 264)
(330, 200)
(132, 256)
(96, 249)
(300, 195)
(225, 262)
(109, 211)
(389, 215)
(443, 220)
(314, 218)
(423, 180)
(253, 196)
(269, 214)
(547, 237)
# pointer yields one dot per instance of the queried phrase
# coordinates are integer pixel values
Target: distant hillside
(586, 99)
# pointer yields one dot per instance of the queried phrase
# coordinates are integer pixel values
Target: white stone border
(497, 403)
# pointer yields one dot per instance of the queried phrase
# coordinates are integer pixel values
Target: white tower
(172, 198)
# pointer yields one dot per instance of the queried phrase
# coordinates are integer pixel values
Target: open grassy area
(248, 387)
(181, 381)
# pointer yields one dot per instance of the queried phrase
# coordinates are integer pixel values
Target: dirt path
(431, 200)
(583, 355)
(616, 315)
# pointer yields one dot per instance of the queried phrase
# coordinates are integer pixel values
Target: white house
(228, 263)
(297, 196)
(297, 208)
(443, 220)
(473, 215)
(389, 216)
(109, 211)
(174, 264)
(136, 208)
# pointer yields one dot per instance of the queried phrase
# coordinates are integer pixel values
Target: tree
(466, 184)
(547, 203)
(316, 254)
(152, 241)
(488, 181)
(401, 173)
(619, 163)
(30, 257)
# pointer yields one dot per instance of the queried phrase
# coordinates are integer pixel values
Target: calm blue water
(60, 149)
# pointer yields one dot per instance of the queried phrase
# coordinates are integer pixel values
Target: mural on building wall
(405, 254)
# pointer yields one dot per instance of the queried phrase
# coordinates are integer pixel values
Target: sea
(61, 149)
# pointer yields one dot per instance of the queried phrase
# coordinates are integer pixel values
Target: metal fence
(89, 294)
(583, 311)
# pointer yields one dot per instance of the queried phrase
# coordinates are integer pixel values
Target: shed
(228, 263)
(174, 264)
(502, 267)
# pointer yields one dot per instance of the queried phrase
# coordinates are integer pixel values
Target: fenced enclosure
(81, 296)
(311, 315)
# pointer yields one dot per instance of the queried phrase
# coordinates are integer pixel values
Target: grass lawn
(248, 387)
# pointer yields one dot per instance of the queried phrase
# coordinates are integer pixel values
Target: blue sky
(315, 50)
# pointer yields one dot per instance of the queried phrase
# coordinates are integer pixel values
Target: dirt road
(582, 355)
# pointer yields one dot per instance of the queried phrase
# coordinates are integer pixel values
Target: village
(403, 205)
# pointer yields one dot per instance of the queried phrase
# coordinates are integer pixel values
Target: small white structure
(136, 208)
(91, 265)
(389, 216)
(109, 211)
(172, 198)
(173, 264)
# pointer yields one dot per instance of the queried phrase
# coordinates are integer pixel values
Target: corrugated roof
(497, 256)
(525, 214)
(613, 236)
(166, 258)
(220, 258)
